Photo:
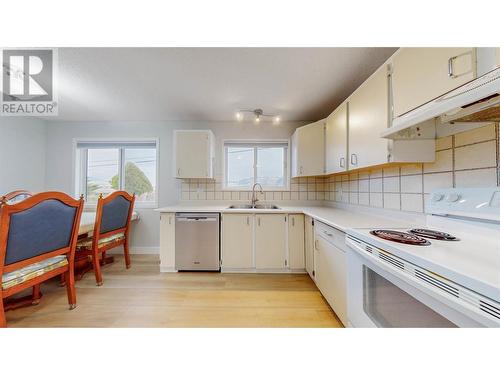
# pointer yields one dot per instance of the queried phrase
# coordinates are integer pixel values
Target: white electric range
(444, 274)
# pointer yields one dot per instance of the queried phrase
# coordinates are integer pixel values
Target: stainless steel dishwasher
(197, 242)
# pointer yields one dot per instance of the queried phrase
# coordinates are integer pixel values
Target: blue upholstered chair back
(38, 230)
(114, 214)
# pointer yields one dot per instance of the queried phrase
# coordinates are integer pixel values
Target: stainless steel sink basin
(256, 207)
(266, 207)
(241, 206)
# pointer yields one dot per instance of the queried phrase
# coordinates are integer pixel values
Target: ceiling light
(259, 115)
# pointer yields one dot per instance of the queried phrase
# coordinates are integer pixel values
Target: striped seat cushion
(33, 270)
(86, 244)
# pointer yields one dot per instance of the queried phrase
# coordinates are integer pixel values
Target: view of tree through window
(121, 168)
(262, 163)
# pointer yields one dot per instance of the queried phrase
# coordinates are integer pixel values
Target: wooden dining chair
(111, 229)
(37, 242)
(13, 197)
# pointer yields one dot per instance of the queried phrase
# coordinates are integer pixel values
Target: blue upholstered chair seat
(33, 270)
(86, 244)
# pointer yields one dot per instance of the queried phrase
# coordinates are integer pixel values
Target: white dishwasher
(330, 267)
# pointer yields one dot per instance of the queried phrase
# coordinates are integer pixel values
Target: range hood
(471, 105)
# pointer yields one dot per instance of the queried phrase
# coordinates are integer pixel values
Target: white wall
(145, 236)
(22, 154)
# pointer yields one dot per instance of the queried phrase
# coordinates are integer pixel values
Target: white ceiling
(209, 84)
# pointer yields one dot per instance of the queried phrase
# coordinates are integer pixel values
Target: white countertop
(339, 218)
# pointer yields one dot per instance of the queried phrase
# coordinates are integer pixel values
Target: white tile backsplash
(466, 159)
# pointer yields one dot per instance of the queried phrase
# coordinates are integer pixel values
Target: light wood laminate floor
(144, 297)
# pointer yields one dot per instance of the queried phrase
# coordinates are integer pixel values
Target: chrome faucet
(254, 195)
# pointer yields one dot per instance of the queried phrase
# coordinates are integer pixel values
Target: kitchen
(338, 203)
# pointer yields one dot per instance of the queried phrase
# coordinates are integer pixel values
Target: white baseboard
(167, 269)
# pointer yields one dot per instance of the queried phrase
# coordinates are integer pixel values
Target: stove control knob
(452, 197)
(436, 197)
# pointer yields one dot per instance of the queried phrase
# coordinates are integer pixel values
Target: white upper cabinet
(336, 140)
(423, 74)
(368, 117)
(194, 153)
(308, 150)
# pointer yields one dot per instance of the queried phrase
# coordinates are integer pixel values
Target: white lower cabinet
(309, 245)
(296, 255)
(237, 241)
(167, 242)
(270, 241)
(330, 273)
(263, 242)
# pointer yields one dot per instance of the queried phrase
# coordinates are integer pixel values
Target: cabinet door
(336, 140)
(310, 150)
(309, 245)
(296, 255)
(331, 276)
(270, 241)
(237, 241)
(423, 74)
(192, 154)
(368, 117)
(167, 242)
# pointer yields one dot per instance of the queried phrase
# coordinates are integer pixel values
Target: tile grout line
(454, 183)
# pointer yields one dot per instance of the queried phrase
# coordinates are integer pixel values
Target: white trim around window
(79, 177)
(284, 143)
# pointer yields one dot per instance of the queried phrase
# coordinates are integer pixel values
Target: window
(105, 167)
(262, 162)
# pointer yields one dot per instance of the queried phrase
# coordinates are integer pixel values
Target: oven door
(380, 297)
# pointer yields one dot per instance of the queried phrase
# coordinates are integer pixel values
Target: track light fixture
(258, 115)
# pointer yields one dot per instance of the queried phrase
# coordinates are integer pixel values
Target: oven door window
(389, 306)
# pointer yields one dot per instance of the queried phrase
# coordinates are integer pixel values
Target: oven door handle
(411, 280)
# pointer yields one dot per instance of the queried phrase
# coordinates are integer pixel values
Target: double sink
(254, 207)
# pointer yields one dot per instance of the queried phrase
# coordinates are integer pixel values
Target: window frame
(80, 160)
(255, 143)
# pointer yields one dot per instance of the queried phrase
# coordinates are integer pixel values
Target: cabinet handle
(248, 220)
(450, 67)
(178, 171)
(258, 221)
(301, 170)
(354, 159)
(342, 162)
(293, 221)
(316, 245)
(170, 220)
(328, 234)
